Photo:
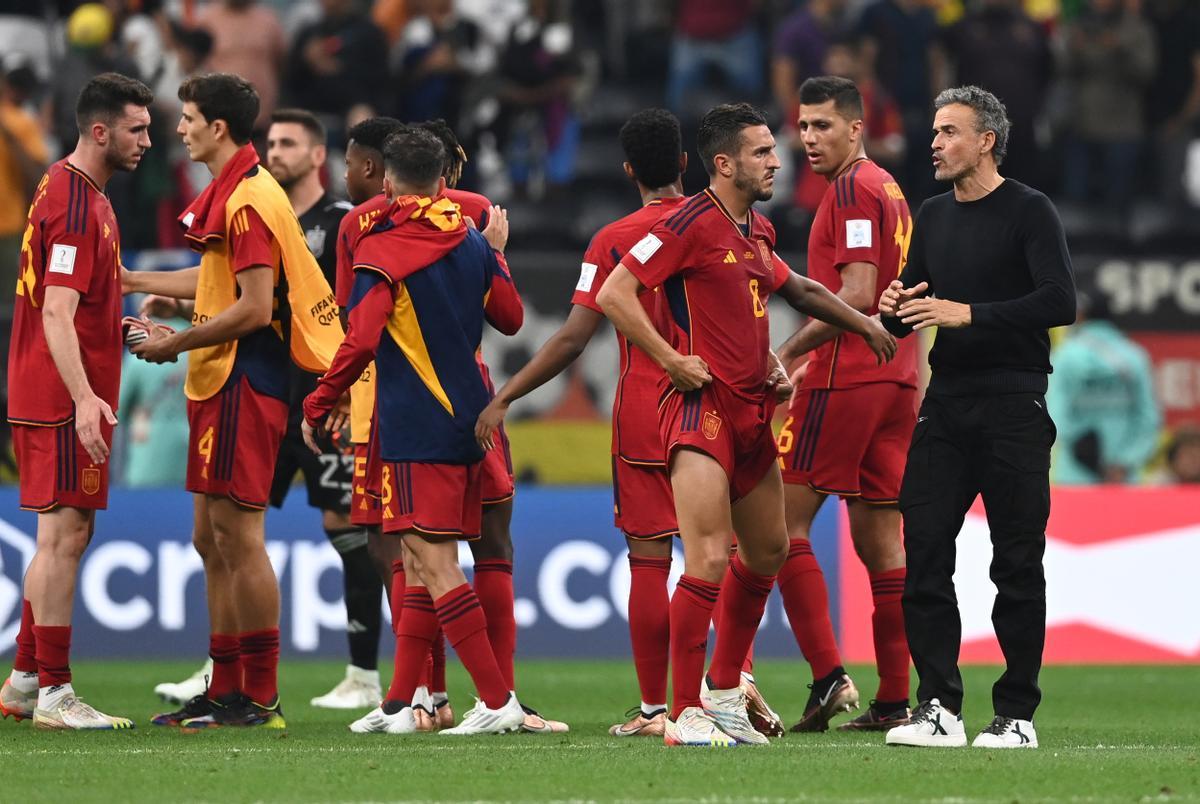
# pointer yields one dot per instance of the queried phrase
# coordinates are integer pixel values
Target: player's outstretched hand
(339, 417)
(156, 306)
(896, 294)
(87, 423)
(778, 381)
(496, 230)
(489, 422)
(689, 372)
(158, 347)
(309, 433)
(880, 340)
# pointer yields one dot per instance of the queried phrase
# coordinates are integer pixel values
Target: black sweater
(1005, 255)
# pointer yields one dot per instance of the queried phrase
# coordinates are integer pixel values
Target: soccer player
(63, 376)
(493, 550)
(295, 155)
(429, 282)
(642, 503)
(849, 423)
(714, 258)
(260, 295)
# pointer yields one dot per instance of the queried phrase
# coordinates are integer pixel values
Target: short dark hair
(842, 91)
(373, 132)
(224, 96)
(104, 98)
(990, 114)
(721, 130)
(305, 119)
(414, 156)
(652, 144)
(456, 155)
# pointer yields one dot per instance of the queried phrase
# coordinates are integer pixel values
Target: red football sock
(53, 654)
(887, 626)
(437, 677)
(26, 659)
(465, 625)
(743, 599)
(748, 664)
(650, 624)
(691, 611)
(260, 665)
(396, 597)
(225, 652)
(802, 585)
(418, 626)
(494, 588)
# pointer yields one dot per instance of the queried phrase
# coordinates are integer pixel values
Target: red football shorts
(364, 507)
(56, 470)
(643, 506)
(736, 432)
(233, 442)
(497, 471)
(437, 499)
(851, 442)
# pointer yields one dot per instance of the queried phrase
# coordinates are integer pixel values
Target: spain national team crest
(90, 480)
(711, 425)
(765, 251)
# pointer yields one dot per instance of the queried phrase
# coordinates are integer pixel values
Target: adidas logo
(729, 257)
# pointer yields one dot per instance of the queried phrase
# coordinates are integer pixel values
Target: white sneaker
(358, 690)
(70, 712)
(481, 720)
(379, 722)
(932, 726)
(695, 727)
(1007, 732)
(727, 708)
(189, 688)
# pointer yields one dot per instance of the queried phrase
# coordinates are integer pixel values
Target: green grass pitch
(1107, 734)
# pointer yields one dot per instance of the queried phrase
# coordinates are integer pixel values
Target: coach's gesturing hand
(922, 313)
(688, 372)
(496, 231)
(896, 294)
(88, 412)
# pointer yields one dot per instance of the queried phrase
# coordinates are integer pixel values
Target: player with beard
(63, 378)
(714, 258)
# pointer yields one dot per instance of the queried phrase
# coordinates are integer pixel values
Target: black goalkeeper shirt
(1005, 255)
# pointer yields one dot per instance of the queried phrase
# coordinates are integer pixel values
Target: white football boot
(1007, 732)
(695, 727)
(727, 708)
(16, 702)
(358, 690)
(931, 726)
(189, 688)
(379, 722)
(481, 720)
(68, 712)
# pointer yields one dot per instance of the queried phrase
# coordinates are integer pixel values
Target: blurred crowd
(1104, 97)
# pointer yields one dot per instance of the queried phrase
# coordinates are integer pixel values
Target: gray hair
(990, 114)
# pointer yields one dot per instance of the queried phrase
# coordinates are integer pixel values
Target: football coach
(988, 266)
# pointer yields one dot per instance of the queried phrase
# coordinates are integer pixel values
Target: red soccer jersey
(716, 278)
(355, 223)
(635, 419)
(862, 218)
(71, 240)
(471, 205)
